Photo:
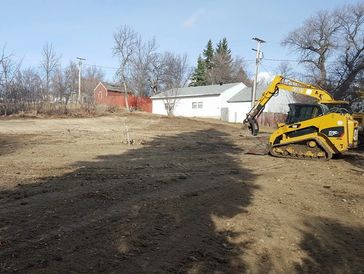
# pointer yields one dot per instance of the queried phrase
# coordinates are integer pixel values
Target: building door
(224, 114)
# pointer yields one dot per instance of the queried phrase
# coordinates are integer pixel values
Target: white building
(228, 102)
(203, 101)
(240, 103)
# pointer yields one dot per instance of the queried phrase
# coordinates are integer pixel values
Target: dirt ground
(183, 198)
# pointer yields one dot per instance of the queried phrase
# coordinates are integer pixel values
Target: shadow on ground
(159, 208)
(10, 143)
(331, 247)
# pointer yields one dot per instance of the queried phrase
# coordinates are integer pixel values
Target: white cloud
(191, 21)
(265, 76)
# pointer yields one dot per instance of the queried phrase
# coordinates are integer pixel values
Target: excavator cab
(302, 112)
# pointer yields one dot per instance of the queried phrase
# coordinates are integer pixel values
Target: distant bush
(33, 109)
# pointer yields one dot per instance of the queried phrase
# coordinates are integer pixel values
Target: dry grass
(47, 110)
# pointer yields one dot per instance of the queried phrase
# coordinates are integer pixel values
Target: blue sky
(85, 28)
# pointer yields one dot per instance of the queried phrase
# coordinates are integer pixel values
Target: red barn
(113, 95)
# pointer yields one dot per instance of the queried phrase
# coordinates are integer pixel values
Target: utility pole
(258, 58)
(79, 78)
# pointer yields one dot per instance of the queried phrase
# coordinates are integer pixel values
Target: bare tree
(221, 70)
(351, 46)
(9, 69)
(3, 72)
(314, 42)
(49, 64)
(286, 70)
(156, 73)
(91, 77)
(27, 86)
(331, 44)
(65, 82)
(59, 83)
(142, 66)
(3, 58)
(175, 75)
(126, 44)
(71, 74)
(238, 72)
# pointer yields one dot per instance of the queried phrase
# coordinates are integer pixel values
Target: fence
(118, 99)
(270, 119)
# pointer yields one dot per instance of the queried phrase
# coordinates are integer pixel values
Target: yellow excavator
(311, 130)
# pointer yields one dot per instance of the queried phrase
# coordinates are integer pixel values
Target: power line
(292, 60)
(282, 60)
(275, 60)
(270, 68)
(99, 66)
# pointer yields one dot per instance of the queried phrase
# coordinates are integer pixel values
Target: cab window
(298, 113)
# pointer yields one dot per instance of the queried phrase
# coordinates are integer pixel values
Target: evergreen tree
(218, 66)
(223, 49)
(208, 54)
(199, 75)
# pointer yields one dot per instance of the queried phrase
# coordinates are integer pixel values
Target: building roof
(112, 87)
(195, 91)
(245, 95)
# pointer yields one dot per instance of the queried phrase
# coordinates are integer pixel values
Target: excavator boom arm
(280, 82)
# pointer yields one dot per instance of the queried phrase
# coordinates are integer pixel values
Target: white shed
(202, 101)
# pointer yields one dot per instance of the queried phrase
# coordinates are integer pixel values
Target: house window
(197, 104)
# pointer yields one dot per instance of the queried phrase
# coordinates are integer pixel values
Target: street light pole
(258, 58)
(79, 78)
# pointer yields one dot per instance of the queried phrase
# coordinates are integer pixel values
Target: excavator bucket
(253, 126)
